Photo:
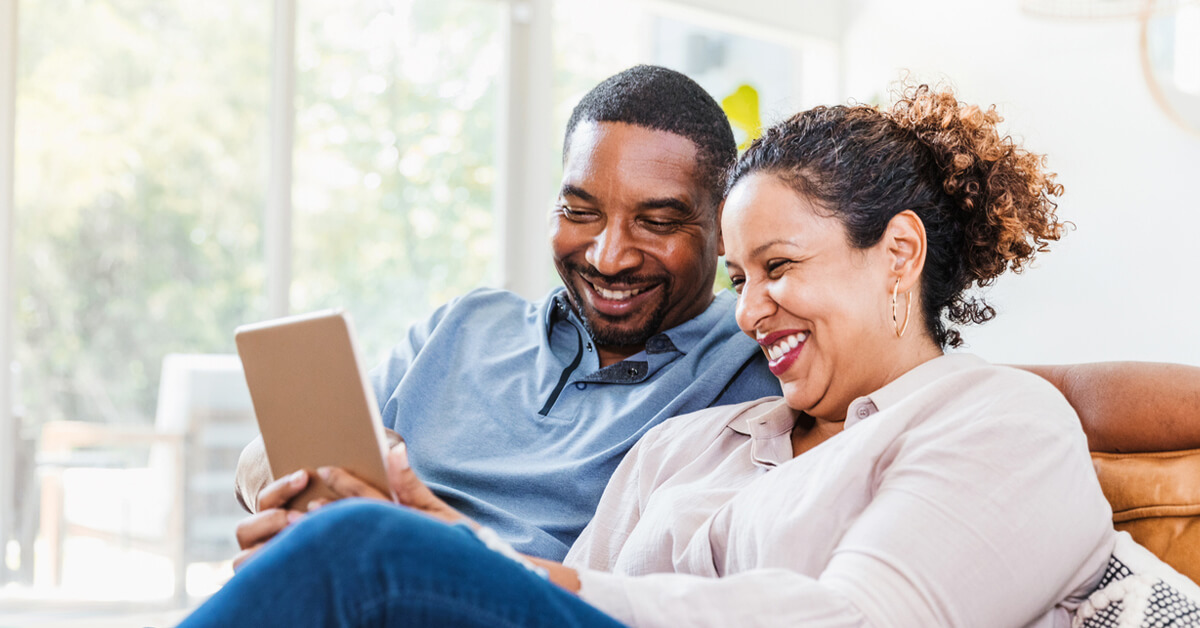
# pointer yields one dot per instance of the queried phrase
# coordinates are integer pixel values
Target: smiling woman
(824, 237)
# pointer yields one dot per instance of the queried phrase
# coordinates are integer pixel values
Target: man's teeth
(785, 344)
(616, 295)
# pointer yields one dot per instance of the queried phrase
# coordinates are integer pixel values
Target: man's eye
(661, 225)
(574, 213)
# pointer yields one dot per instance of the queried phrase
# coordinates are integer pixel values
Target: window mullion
(277, 228)
(8, 110)
(524, 186)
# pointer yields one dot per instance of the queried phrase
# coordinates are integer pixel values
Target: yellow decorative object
(742, 109)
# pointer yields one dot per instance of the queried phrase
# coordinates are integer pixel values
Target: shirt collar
(556, 308)
(771, 419)
(688, 334)
(907, 384)
(769, 426)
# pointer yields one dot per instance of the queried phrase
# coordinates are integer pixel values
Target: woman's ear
(906, 247)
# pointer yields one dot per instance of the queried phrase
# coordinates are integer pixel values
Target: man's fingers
(263, 525)
(279, 491)
(346, 484)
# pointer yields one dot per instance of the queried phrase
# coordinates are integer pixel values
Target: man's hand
(272, 516)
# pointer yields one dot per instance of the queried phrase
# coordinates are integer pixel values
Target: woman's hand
(407, 489)
(410, 491)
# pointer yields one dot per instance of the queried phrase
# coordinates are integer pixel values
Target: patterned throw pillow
(1139, 591)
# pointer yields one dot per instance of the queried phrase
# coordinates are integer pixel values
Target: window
(396, 114)
(142, 166)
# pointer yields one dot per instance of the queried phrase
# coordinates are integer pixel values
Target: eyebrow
(666, 202)
(577, 192)
(758, 250)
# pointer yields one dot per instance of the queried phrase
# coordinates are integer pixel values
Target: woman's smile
(782, 349)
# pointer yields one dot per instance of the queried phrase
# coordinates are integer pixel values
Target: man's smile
(618, 299)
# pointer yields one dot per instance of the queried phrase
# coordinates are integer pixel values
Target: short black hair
(661, 99)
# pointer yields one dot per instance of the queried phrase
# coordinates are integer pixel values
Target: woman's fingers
(346, 484)
(411, 491)
(241, 557)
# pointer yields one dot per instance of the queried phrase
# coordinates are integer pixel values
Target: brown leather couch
(1143, 426)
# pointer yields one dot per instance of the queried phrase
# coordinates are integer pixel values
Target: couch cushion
(1155, 497)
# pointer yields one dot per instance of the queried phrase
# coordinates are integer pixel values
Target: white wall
(1125, 285)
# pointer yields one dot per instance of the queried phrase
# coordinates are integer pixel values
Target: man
(516, 413)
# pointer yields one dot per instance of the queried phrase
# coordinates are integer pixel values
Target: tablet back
(311, 396)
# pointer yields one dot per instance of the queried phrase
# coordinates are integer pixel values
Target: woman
(891, 484)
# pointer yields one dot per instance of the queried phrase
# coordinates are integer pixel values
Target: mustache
(628, 279)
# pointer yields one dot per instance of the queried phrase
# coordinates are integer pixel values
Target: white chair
(176, 498)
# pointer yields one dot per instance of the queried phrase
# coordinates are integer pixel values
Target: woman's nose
(754, 304)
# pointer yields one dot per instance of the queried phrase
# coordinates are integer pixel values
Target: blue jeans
(365, 563)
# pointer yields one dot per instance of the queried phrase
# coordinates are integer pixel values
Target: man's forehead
(618, 157)
(630, 141)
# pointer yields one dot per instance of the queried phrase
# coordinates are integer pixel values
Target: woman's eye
(737, 283)
(775, 268)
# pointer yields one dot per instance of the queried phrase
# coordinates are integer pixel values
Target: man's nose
(614, 250)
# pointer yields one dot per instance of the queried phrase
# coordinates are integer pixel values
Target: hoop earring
(900, 329)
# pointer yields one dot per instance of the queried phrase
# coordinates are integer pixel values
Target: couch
(1143, 426)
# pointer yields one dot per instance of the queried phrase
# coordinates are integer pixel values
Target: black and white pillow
(1139, 591)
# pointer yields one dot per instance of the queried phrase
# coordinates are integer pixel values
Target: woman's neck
(821, 427)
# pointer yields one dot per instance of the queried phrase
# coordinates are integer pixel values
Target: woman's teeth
(785, 344)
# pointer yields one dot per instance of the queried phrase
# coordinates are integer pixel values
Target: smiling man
(516, 413)
(634, 228)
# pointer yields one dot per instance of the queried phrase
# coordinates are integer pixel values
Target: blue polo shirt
(510, 419)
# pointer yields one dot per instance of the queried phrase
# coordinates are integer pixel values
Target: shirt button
(580, 385)
(863, 412)
(633, 371)
(589, 346)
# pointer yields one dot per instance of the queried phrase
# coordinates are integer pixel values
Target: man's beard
(603, 328)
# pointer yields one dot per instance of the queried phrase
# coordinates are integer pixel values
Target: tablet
(312, 400)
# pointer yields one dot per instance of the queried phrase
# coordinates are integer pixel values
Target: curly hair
(664, 100)
(985, 201)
